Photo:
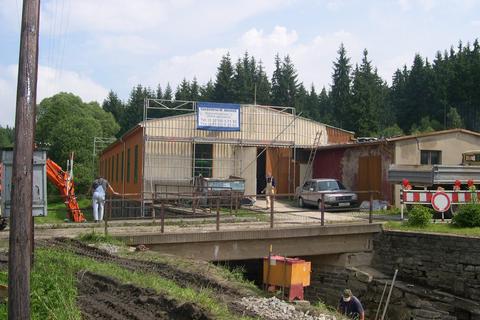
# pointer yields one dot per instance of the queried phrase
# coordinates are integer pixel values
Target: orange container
(286, 272)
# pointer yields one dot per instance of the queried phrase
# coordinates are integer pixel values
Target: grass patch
(57, 212)
(434, 227)
(53, 286)
(98, 237)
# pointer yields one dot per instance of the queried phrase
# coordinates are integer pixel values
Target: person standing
(350, 306)
(99, 188)
(269, 189)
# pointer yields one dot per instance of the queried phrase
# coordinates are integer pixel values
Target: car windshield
(330, 185)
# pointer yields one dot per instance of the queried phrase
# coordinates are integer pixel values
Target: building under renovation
(214, 140)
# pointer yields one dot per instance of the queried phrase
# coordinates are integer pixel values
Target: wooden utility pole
(21, 220)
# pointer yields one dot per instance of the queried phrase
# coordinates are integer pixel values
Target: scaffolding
(175, 151)
(99, 144)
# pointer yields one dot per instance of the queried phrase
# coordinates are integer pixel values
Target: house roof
(401, 138)
(434, 133)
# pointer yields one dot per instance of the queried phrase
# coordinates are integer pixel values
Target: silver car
(335, 194)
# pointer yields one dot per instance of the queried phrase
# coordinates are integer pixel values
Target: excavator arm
(63, 180)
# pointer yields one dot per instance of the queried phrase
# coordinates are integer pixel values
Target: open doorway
(261, 164)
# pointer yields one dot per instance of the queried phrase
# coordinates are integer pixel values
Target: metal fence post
(218, 214)
(370, 210)
(109, 212)
(322, 210)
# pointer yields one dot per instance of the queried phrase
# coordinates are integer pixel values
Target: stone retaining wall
(447, 262)
(438, 278)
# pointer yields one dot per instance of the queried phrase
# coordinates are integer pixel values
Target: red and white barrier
(425, 196)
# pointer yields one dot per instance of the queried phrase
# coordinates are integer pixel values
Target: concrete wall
(451, 144)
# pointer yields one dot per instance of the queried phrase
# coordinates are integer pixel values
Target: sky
(90, 47)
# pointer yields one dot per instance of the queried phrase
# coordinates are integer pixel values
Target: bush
(419, 216)
(467, 216)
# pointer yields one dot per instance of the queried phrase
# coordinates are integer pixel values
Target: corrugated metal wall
(259, 125)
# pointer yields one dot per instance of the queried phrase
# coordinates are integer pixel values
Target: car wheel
(301, 204)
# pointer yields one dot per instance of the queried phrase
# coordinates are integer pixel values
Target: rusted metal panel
(336, 135)
(328, 164)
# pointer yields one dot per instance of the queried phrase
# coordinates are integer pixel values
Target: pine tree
(340, 93)
(194, 90)
(207, 91)
(277, 98)
(263, 87)
(114, 105)
(183, 91)
(168, 94)
(224, 90)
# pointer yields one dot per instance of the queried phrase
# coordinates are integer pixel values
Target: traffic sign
(440, 201)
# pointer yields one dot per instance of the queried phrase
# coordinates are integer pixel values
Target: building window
(121, 173)
(109, 168)
(430, 157)
(203, 160)
(113, 169)
(116, 169)
(104, 173)
(128, 165)
(135, 165)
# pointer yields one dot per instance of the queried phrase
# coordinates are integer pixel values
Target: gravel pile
(276, 309)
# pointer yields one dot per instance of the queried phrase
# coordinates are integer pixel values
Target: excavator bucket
(64, 183)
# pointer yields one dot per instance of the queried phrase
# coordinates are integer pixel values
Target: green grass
(434, 227)
(54, 293)
(57, 212)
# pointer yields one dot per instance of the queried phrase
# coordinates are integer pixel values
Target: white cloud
(313, 58)
(50, 82)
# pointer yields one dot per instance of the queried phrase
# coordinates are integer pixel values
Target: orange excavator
(63, 180)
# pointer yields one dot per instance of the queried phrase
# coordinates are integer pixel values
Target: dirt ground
(101, 297)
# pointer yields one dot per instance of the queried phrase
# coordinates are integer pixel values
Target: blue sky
(89, 47)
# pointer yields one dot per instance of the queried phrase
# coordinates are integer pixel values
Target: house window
(203, 160)
(135, 165)
(430, 157)
(121, 173)
(113, 169)
(116, 169)
(128, 165)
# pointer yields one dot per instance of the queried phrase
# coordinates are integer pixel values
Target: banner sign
(218, 116)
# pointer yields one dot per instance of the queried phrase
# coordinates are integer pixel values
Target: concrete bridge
(254, 243)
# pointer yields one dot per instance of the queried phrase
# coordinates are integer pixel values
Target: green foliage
(453, 119)
(67, 124)
(391, 131)
(419, 216)
(341, 92)
(468, 216)
(7, 135)
(97, 237)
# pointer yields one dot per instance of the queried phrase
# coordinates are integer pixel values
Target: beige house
(365, 166)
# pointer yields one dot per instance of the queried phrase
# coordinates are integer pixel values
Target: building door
(261, 162)
(369, 176)
(278, 164)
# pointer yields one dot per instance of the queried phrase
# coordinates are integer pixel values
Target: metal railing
(221, 207)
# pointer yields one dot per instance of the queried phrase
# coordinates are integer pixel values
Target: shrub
(467, 216)
(419, 216)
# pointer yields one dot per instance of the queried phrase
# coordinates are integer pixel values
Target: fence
(227, 207)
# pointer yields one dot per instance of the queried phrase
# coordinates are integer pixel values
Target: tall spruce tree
(340, 93)
(114, 105)
(224, 90)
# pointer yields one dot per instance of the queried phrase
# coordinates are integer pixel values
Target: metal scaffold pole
(21, 228)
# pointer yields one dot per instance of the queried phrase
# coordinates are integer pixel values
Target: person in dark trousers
(350, 306)
(99, 188)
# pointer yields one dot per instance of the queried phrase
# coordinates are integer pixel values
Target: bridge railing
(230, 208)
